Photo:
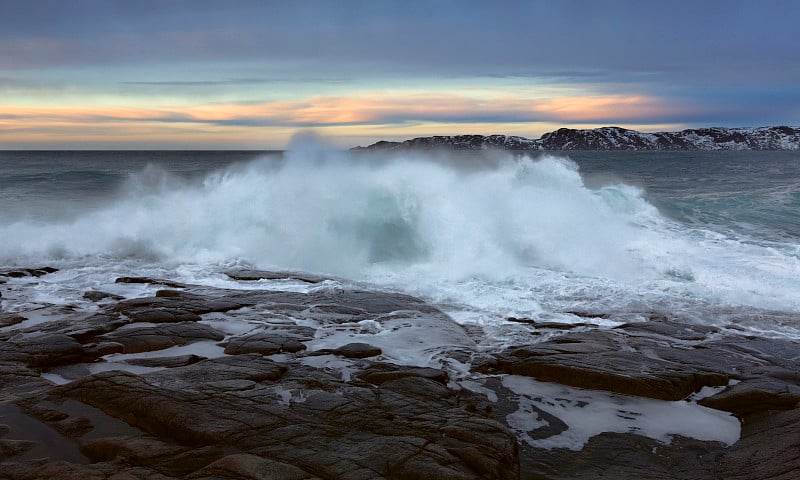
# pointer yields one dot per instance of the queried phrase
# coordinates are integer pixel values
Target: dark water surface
(757, 192)
(702, 236)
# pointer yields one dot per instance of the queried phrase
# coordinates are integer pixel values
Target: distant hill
(612, 138)
(459, 142)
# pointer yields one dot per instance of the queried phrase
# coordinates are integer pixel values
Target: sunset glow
(121, 75)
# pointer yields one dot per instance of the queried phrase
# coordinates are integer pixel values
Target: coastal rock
(266, 342)
(410, 427)
(357, 350)
(658, 360)
(147, 339)
(250, 467)
(169, 304)
(12, 448)
(756, 395)
(44, 350)
(378, 373)
(606, 360)
(353, 416)
(167, 459)
(28, 272)
(163, 315)
(84, 329)
(769, 448)
(166, 362)
(19, 381)
(8, 319)
(96, 296)
(150, 281)
(253, 275)
(55, 469)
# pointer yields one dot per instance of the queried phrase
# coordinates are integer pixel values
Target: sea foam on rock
(410, 394)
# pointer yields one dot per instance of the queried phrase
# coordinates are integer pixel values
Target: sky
(199, 74)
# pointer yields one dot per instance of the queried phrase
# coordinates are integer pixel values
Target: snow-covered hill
(614, 138)
(459, 142)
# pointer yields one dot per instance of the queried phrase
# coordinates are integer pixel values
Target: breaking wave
(413, 220)
(330, 212)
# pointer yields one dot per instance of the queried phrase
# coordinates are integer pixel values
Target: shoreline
(309, 384)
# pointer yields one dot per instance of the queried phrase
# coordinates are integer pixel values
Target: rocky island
(612, 138)
(195, 382)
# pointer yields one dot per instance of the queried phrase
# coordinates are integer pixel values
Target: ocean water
(600, 237)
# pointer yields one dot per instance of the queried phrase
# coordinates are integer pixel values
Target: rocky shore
(195, 382)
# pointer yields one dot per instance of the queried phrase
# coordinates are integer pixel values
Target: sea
(584, 237)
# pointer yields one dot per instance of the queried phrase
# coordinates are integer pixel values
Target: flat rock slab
(44, 350)
(8, 319)
(754, 396)
(28, 272)
(378, 373)
(19, 381)
(254, 275)
(271, 340)
(757, 455)
(357, 350)
(97, 295)
(355, 416)
(655, 360)
(166, 362)
(148, 339)
(296, 421)
(250, 466)
(150, 281)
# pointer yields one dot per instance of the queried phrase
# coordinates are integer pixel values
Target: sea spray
(342, 215)
(494, 234)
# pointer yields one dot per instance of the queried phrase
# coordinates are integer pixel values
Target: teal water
(757, 193)
(711, 237)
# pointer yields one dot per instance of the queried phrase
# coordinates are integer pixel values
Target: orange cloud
(369, 108)
(228, 121)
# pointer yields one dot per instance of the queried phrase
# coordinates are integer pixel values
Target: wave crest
(328, 211)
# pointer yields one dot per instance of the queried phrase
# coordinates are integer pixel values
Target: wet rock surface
(148, 339)
(661, 360)
(254, 275)
(332, 382)
(270, 340)
(755, 378)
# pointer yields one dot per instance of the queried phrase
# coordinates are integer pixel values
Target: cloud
(368, 108)
(233, 82)
(698, 40)
(203, 64)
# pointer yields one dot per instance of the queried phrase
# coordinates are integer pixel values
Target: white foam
(589, 412)
(289, 396)
(708, 391)
(517, 236)
(417, 340)
(341, 215)
(55, 378)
